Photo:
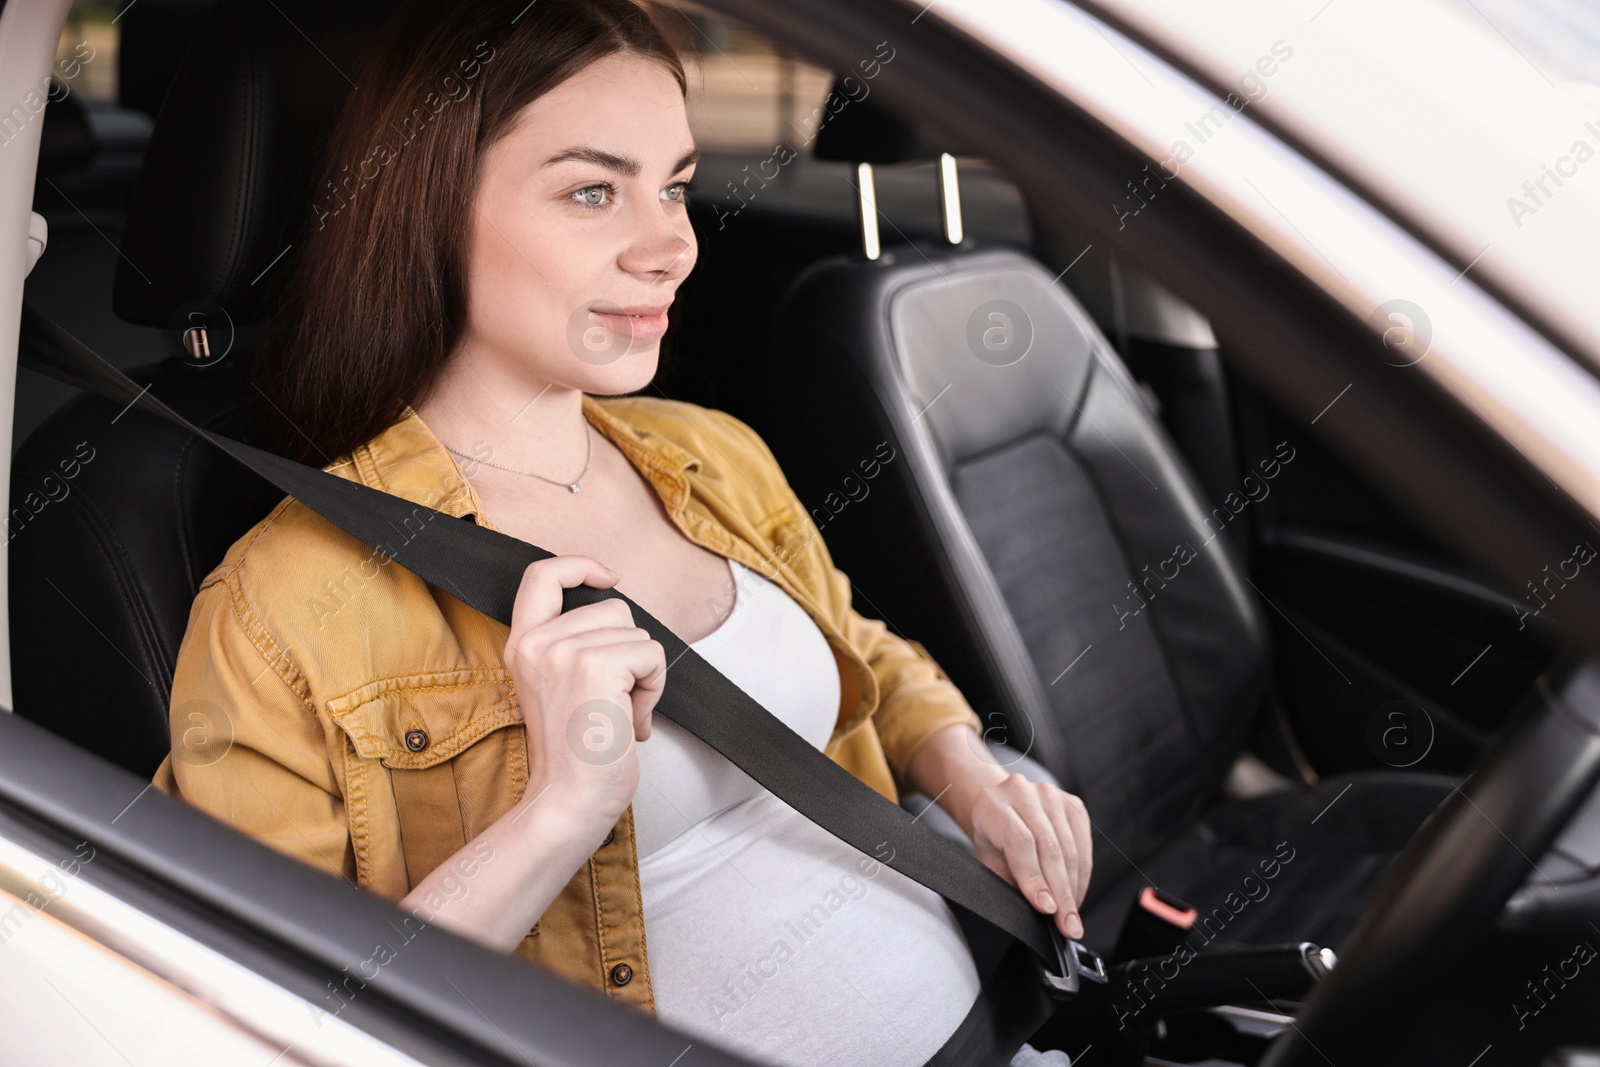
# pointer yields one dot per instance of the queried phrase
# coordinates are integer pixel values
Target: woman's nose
(667, 249)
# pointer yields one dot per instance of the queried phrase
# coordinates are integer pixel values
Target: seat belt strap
(483, 568)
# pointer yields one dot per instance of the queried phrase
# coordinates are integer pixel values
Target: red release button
(1162, 910)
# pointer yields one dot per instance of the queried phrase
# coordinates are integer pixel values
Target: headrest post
(868, 203)
(950, 198)
(197, 342)
(868, 200)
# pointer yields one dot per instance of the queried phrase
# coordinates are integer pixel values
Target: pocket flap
(418, 720)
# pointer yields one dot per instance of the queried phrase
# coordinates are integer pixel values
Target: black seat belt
(483, 568)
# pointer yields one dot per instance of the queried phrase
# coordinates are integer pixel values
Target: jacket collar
(408, 461)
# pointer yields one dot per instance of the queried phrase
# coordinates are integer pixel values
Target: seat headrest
(856, 129)
(227, 177)
(155, 36)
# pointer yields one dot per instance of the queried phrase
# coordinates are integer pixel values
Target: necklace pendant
(573, 487)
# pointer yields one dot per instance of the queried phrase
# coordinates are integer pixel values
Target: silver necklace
(517, 470)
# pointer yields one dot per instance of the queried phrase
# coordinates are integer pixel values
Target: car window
(86, 57)
(757, 109)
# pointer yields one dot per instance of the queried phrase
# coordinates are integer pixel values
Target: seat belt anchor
(1075, 962)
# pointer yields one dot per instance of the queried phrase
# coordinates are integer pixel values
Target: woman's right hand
(588, 682)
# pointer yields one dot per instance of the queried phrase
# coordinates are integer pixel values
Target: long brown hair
(376, 299)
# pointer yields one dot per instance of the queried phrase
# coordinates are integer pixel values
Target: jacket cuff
(915, 710)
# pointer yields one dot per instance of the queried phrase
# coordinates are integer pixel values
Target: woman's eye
(683, 188)
(590, 196)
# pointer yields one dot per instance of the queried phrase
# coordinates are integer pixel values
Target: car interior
(1315, 674)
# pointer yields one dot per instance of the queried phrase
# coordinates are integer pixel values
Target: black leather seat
(1035, 528)
(106, 560)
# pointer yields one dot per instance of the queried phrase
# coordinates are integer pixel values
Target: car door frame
(992, 94)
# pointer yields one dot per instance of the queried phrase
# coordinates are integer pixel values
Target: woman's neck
(507, 419)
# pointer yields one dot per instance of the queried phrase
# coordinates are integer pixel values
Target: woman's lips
(639, 327)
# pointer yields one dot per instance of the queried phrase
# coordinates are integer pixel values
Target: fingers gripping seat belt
(483, 568)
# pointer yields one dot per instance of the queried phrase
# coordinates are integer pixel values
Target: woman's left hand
(1036, 837)
(1032, 834)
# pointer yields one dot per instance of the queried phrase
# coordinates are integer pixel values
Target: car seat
(106, 560)
(972, 447)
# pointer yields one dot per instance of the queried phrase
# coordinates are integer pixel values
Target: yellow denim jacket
(335, 706)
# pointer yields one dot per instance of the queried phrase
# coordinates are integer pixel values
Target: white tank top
(765, 934)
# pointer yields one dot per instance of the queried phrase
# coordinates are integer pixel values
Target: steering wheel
(1455, 875)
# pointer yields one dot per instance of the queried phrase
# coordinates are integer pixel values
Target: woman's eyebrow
(626, 166)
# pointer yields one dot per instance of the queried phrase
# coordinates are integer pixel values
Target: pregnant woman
(496, 239)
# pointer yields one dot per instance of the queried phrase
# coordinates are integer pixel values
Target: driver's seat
(116, 516)
(982, 463)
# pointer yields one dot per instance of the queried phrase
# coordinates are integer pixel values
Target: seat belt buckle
(1156, 925)
(1075, 962)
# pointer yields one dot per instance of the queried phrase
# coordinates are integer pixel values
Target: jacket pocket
(438, 757)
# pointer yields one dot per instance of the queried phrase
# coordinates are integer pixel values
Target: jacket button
(611, 836)
(622, 974)
(416, 740)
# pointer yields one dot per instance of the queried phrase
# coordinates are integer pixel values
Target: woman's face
(580, 210)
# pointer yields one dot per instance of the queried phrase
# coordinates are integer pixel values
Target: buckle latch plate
(1075, 963)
